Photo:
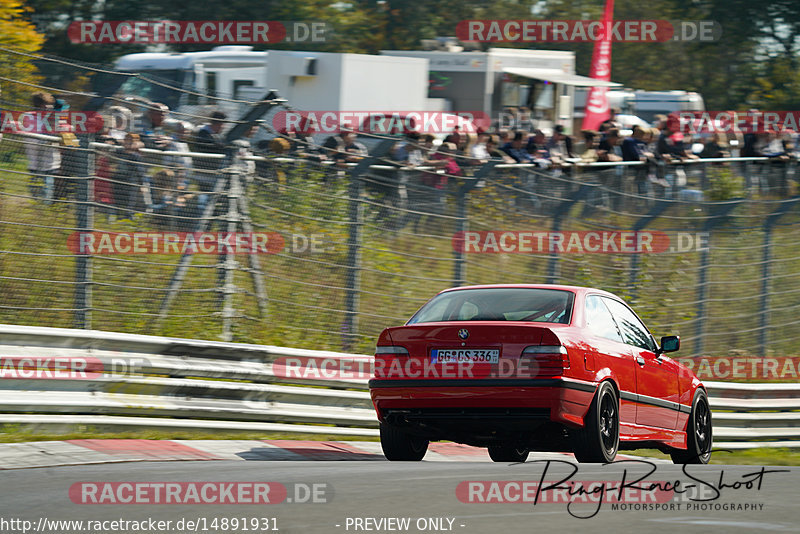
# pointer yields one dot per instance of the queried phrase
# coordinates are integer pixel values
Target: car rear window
(498, 304)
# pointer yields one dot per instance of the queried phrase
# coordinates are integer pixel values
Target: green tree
(19, 37)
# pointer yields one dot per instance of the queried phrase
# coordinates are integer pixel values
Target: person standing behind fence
(44, 158)
(179, 132)
(208, 138)
(153, 132)
(129, 177)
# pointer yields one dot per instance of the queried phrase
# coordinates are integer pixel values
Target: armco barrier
(161, 382)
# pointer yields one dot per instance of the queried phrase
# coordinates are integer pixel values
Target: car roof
(573, 289)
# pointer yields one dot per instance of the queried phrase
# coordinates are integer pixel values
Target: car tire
(699, 435)
(598, 440)
(399, 446)
(508, 454)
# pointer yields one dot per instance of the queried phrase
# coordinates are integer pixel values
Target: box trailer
(229, 77)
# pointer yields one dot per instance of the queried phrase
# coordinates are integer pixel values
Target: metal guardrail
(161, 382)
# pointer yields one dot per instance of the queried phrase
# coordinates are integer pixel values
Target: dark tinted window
(498, 304)
(633, 331)
(599, 320)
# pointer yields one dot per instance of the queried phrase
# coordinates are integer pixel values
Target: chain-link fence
(98, 231)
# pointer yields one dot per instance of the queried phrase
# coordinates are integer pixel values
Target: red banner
(597, 100)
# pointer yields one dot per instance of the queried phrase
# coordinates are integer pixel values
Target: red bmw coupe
(517, 368)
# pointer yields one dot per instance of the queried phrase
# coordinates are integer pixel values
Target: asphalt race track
(368, 494)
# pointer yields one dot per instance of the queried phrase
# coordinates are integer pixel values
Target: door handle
(640, 360)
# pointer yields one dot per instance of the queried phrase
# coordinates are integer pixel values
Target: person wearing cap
(208, 138)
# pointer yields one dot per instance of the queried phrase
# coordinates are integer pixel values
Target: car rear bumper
(481, 403)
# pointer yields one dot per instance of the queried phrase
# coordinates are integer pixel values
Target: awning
(557, 76)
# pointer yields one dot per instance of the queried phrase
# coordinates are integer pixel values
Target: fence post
(355, 217)
(462, 223)
(84, 221)
(717, 212)
(766, 271)
(658, 208)
(553, 271)
(228, 259)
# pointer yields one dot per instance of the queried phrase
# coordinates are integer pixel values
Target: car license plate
(465, 355)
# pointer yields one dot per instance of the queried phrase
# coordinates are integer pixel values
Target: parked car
(517, 368)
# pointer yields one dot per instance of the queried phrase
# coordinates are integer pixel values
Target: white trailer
(228, 77)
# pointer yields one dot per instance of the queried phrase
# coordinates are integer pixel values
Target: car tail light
(551, 360)
(383, 359)
(390, 350)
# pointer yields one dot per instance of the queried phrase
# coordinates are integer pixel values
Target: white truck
(228, 77)
(644, 104)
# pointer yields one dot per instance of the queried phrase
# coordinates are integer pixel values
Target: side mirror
(670, 344)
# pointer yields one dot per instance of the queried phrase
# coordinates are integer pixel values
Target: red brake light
(391, 350)
(384, 356)
(550, 359)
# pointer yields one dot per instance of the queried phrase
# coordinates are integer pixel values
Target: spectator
(354, 148)
(611, 122)
(129, 178)
(153, 133)
(117, 121)
(589, 154)
(493, 148)
(456, 137)
(537, 144)
(478, 151)
(162, 198)
(409, 152)
(179, 134)
(170, 202)
(67, 179)
(209, 139)
(103, 192)
(559, 146)
(774, 146)
(633, 145)
(712, 148)
(609, 148)
(344, 148)
(634, 148)
(446, 157)
(516, 150)
(44, 157)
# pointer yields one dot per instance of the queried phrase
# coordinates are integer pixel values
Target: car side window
(633, 331)
(599, 320)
